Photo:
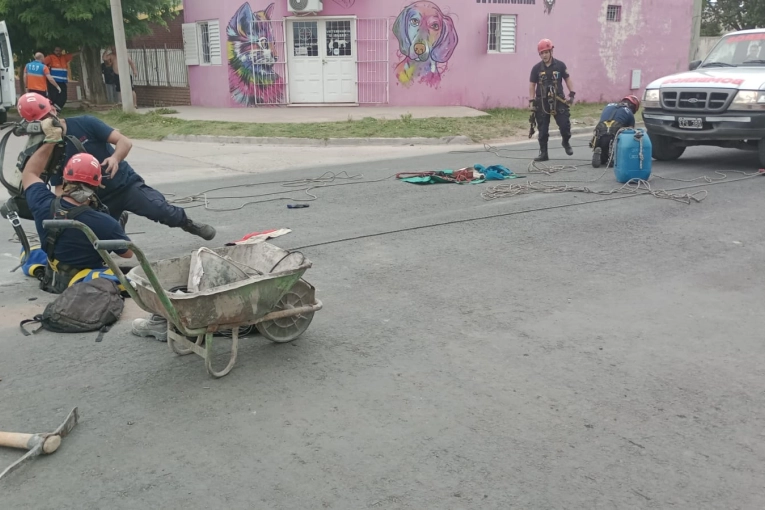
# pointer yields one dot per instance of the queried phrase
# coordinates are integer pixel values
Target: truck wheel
(664, 149)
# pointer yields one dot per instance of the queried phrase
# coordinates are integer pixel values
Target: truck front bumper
(729, 126)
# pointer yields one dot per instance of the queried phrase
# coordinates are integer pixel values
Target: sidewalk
(313, 114)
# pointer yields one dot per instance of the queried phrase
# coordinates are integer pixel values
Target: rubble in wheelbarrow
(210, 270)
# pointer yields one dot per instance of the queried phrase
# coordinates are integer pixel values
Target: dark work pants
(562, 119)
(140, 199)
(58, 99)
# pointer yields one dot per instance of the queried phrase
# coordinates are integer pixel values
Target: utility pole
(122, 58)
(695, 31)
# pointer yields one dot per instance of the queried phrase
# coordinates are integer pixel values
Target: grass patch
(500, 123)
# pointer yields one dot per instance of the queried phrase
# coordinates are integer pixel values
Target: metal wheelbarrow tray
(276, 301)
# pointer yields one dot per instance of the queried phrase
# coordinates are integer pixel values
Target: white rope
(633, 187)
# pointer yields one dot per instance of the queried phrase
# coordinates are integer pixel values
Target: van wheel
(3, 117)
(664, 149)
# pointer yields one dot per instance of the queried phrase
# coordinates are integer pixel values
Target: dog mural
(427, 39)
(251, 58)
(549, 4)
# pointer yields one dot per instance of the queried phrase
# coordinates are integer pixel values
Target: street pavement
(542, 351)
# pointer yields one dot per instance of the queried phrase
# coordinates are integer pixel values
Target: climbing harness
(16, 208)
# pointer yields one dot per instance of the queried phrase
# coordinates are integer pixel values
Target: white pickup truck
(7, 79)
(720, 102)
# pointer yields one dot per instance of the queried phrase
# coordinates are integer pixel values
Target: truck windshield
(737, 50)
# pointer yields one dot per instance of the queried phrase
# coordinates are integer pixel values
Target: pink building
(475, 53)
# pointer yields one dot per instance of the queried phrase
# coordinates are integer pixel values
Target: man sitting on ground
(71, 256)
(615, 116)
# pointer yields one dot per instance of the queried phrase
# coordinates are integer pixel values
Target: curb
(329, 142)
(344, 142)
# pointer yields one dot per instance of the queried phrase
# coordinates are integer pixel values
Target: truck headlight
(651, 99)
(749, 100)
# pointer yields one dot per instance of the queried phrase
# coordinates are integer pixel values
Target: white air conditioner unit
(304, 6)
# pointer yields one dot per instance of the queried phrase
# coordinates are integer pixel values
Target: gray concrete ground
(298, 114)
(544, 351)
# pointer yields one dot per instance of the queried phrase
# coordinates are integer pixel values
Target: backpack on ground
(88, 306)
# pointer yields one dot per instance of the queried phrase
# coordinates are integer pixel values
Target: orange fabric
(61, 62)
(36, 82)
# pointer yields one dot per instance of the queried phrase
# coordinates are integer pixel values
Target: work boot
(155, 326)
(567, 147)
(206, 232)
(123, 219)
(542, 153)
(596, 156)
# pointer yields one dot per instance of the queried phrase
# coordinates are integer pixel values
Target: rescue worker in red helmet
(614, 117)
(123, 190)
(547, 98)
(71, 256)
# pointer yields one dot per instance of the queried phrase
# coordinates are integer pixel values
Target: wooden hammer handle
(16, 440)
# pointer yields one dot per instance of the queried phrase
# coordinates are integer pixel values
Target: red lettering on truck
(704, 79)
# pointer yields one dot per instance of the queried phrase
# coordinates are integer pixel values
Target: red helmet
(33, 106)
(83, 168)
(633, 101)
(545, 45)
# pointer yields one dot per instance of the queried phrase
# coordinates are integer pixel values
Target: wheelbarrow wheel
(288, 329)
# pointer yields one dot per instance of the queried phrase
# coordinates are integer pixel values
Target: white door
(322, 61)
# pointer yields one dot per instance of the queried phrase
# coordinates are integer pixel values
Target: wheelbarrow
(273, 297)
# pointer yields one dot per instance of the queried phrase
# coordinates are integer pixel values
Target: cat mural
(251, 58)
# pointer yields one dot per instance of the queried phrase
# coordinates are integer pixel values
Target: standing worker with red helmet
(614, 117)
(71, 257)
(546, 98)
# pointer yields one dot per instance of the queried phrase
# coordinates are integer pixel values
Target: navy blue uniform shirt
(73, 247)
(93, 134)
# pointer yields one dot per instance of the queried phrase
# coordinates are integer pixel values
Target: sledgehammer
(37, 443)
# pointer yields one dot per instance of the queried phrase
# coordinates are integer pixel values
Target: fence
(159, 67)
(373, 60)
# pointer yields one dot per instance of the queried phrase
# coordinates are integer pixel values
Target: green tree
(710, 27)
(734, 14)
(78, 26)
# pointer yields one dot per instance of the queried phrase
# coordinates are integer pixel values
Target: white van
(7, 77)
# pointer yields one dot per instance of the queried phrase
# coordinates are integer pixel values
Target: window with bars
(614, 13)
(502, 33)
(202, 44)
(204, 39)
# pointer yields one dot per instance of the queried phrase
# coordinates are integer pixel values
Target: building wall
(161, 37)
(171, 35)
(653, 36)
(155, 97)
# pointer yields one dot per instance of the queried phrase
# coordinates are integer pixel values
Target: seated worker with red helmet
(70, 254)
(614, 117)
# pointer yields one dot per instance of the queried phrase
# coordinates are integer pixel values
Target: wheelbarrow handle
(58, 224)
(111, 245)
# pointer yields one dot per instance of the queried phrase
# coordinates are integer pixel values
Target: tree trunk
(93, 86)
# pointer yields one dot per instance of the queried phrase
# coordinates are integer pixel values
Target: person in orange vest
(59, 69)
(37, 77)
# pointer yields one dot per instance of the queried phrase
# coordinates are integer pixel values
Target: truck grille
(696, 100)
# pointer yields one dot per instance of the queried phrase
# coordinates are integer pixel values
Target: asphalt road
(543, 351)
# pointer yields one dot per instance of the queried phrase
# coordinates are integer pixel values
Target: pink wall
(652, 36)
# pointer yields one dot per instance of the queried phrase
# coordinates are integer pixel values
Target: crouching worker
(71, 258)
(615, 116)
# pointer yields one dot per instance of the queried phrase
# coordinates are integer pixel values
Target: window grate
(614, 13)
(501, 33)
(204, 30)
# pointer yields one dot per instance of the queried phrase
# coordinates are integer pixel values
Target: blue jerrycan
(633, 155)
